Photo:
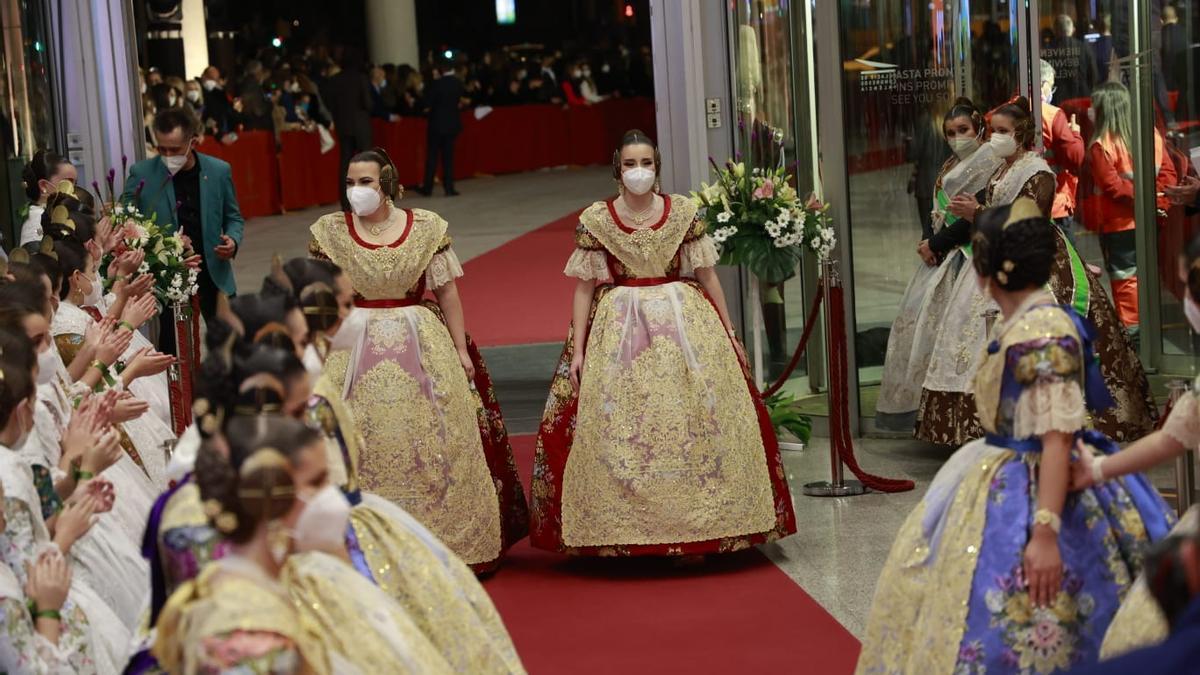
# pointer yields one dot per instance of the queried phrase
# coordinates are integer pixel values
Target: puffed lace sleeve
(698, 249)
(1183, 424)
(444, 267)
(1051, 396)
(588, 261)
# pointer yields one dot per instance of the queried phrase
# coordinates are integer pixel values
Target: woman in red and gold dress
(435, 442)
(654, 441)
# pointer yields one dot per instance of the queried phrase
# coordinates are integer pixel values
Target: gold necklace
(641, 216)
(379, 229)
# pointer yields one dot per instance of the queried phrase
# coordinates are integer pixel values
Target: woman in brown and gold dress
(947, 414)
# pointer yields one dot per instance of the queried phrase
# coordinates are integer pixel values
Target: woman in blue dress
(999, 568)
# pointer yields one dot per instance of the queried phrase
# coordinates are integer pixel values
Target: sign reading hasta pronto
(907, 86)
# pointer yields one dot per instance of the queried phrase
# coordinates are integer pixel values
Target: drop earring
(657, 186)
(620, 189)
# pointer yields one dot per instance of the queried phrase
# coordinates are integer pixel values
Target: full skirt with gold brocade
(952, 596)
(666, 449)
(434, 442)
(947, 410)
(360, 629)
(439, 592)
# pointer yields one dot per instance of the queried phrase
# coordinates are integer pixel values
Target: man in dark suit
(442, 98)
(192, 194)
(347, 95)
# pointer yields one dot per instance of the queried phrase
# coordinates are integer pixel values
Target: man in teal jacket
(194, 194)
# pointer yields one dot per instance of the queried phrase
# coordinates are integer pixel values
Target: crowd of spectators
(276, 92)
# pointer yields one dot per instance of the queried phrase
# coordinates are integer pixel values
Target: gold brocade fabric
(1040, 322)
(419, 422)
(219, 603)
(355, 621)
(647, 252)
(913, 572)
(338, 420)
(184, 509)
(439, 592)
(1138, 623)
(408, 393)
(387, 272)
(667, 447)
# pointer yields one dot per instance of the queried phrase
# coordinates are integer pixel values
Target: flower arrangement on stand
(759, 221)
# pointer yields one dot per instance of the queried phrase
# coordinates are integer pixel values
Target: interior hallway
(841, 544)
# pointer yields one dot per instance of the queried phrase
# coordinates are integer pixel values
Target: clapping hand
(148, 362)
(127, 408)
(48, 581)
(100, 488)
(139, 311)
(76, 518)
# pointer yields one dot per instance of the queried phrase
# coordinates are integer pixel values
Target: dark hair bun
(1015, 250)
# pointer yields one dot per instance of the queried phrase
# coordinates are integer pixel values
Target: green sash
(943, 202)
(1079, 276)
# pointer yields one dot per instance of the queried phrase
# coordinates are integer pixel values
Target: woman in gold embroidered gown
(386, 544)
(432, 445)
(307, 611)
(947, 410)
(1000, 568)
(654, 441)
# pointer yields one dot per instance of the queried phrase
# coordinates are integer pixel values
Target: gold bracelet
(1048, 518)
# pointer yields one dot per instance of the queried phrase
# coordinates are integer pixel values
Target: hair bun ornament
(65, 187)
(46, 247)
(18, 255)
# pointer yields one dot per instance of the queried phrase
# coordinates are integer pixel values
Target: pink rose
(765, 191)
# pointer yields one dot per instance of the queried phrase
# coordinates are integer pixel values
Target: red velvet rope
(839, 411)
(800, 348)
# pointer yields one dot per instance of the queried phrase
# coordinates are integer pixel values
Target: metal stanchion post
(837, 486)
(1185, 464)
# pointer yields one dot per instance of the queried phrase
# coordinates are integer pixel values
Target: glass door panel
(776, 127)
(904, 64)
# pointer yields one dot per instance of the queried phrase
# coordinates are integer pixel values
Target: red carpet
(734, 614)
(517, 293)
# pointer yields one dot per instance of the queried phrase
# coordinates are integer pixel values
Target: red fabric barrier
(404, 141)
(306, 176)
(255, 170)
(509, 139)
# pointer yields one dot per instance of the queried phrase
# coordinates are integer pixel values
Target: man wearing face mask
(1064, 153)
(193, 193)
(216, 105)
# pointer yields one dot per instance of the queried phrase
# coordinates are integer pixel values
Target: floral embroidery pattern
(1039, 639)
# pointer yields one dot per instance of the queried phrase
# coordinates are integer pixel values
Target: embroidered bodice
(605, 248)
(1031, 378)
(420, 259)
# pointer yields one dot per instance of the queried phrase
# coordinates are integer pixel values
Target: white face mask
(175, 163)
(209, 85)
(1192, 311)
(1004, 144)
(638, 180)
(363, 200)
(48, 361)
(172, 100)
(193, 95)
(322, 524)
(964, 146)
(92, 297)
